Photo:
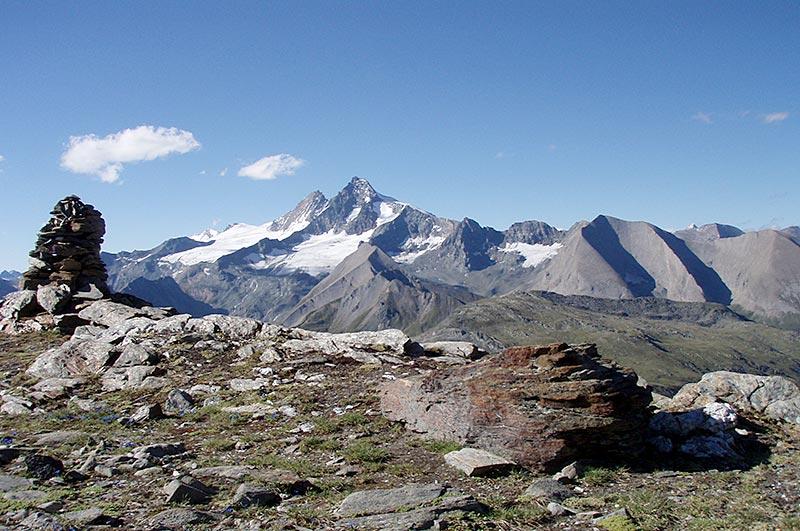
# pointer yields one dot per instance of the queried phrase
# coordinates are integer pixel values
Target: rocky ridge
(212, 422)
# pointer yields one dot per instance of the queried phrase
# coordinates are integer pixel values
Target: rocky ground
(297, 441)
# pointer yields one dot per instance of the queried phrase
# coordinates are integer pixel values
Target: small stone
(186, 489)
(178, 402)
(548, 489)
(53, 297)
(556, 509)
(621, 513)
(43, 466)
(7, 455)
(85, 517)
(147, 412)
(476, 462)
(149, 471)
(249, 494)
(51, 506)
(179, 518)
(569, 473)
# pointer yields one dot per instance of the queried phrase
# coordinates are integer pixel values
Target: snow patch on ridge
(228, 241)
(317, 255)
(534, 254)
(416, 247)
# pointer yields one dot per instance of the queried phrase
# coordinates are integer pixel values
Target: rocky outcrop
(538, 406)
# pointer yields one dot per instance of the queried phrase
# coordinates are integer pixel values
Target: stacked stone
(67, 250)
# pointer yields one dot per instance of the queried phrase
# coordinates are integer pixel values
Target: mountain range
(363, 260)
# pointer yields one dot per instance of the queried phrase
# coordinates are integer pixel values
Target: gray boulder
(73, 358)
(53, 297)
(136, 354)
(774, 396)
(178, 402)
(108, 313)
(362, 346)
(19, 304)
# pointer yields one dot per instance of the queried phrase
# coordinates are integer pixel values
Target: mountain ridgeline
(362, 260)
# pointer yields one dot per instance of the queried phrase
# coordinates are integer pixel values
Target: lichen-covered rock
(73, 358)
(538, 406)
(774, 396)
(362, 346)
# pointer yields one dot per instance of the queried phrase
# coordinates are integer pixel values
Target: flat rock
(548, 489)
(456, 349)
(241, 385)
(228, 472)
(93, 515)
(11, 483)
(57, 387)
(239, 328)
(416, 518)
(178, 518)
(385, 342)
(381, 501)
(107, 313)
(58, 438)
(477, 462)
(541, 407)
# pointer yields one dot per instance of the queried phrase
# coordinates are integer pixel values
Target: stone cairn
(67, 250)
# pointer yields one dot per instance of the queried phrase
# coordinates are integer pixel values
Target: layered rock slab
(538, 406)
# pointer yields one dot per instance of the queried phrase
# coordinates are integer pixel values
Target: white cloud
(704, 117)
(503, 155)
(224, 172)
(775, 117)
(104, 156)
(2, 158)
(271, 167)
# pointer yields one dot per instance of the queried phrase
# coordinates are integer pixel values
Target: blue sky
(672, 112)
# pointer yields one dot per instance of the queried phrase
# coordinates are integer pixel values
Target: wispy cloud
(704, 117)
(775, 117)
(272, 167)
(105, 156)
(503, 155)
(551, 147)
(223, 172)
(2, 158)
